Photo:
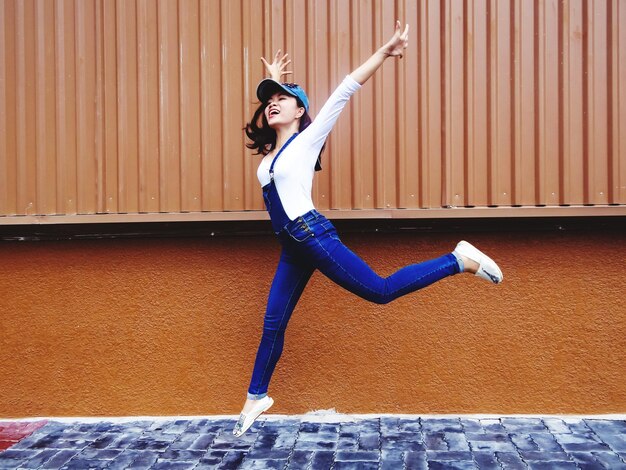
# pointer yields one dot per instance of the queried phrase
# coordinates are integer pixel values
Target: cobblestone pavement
(386, 442)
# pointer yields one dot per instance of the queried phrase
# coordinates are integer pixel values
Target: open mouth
(274, 112)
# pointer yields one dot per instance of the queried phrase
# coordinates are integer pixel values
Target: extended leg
(344, 267)
(289, 281)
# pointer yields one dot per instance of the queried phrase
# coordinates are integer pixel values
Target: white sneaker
(246, 419)
(488, 269)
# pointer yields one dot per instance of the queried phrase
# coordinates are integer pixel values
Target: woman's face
(282, 110)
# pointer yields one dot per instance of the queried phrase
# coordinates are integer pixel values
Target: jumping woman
(283, 132)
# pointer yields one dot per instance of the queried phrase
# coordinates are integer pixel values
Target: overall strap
(278, 154)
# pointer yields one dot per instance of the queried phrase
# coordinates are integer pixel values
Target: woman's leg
(344, 267)
(289, 281)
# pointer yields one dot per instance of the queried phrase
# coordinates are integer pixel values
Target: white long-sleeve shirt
(295, 168)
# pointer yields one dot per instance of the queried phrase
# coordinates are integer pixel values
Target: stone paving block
(523, 425)
(587, 445)
(390, 423)
(523, 442)
(356, 466)
(300, 459)
(404, 441)
(369, 441)
(416, 460)
(495, 442)
(442, 425)
(586, 460)
(59, 459)
(605, 426)
(577, 425)
(322, 459)
(268, 454)
(100, 454)
(552, 466)
(38, 459)
(545, 456)
(409, 425)
(123, 460)
(435, 441)
(557, 426)
(546, 442)
(202, 442)
(187, 455)
(610, 460)
(471, 425)
(486, 460)
(316, 445)
(448, 455)
(144, 460)
(285, 441)
(360, 455)
(436, 465)
(318, 436)
(350, 442)
(510, 461)
(171, 465)
(232, 460)
(265, 441)
(146, 443)
(391, 459)
(82, 464)
(456, 441)
(493, 425)
(262, 464)
(617, 443)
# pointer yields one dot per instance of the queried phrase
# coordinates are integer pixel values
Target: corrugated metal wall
(137, 106)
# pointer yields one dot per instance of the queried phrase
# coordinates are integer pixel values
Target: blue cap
(269, 87)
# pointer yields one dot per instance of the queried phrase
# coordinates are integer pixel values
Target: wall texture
(137, 106)
(171, 326)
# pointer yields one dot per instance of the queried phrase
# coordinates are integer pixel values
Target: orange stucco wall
(170, 327)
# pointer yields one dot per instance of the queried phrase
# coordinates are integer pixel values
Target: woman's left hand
(399, 41)
(277, 68)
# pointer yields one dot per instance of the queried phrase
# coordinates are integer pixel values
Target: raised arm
(394, 48)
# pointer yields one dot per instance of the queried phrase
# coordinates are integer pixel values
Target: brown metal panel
(234, 154)
(169, 111)
(598, 105)
(148, 106)
(189, 37)
(211, 90)
(26, 129)
(8, 121)
(455, 110)
(619, 103)
(548, 97)
(362, 111)
(127, 111)
(408, 142)
(45, 118)
(340, 164)
(525, 134)
(501, 100)
(66, 107)
(572, 111)
(432, 170)
(85, 107)
(476, 102)
(110, 161)
(318, 88)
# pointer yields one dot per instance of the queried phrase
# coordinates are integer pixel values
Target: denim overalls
(311, 242)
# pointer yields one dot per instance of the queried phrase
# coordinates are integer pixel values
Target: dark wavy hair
(263, 137)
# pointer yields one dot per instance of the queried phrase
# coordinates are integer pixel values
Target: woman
(282, 131)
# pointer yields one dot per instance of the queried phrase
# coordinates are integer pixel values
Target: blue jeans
(311, 242)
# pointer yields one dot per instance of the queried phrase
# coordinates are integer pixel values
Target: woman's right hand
(277, 68)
